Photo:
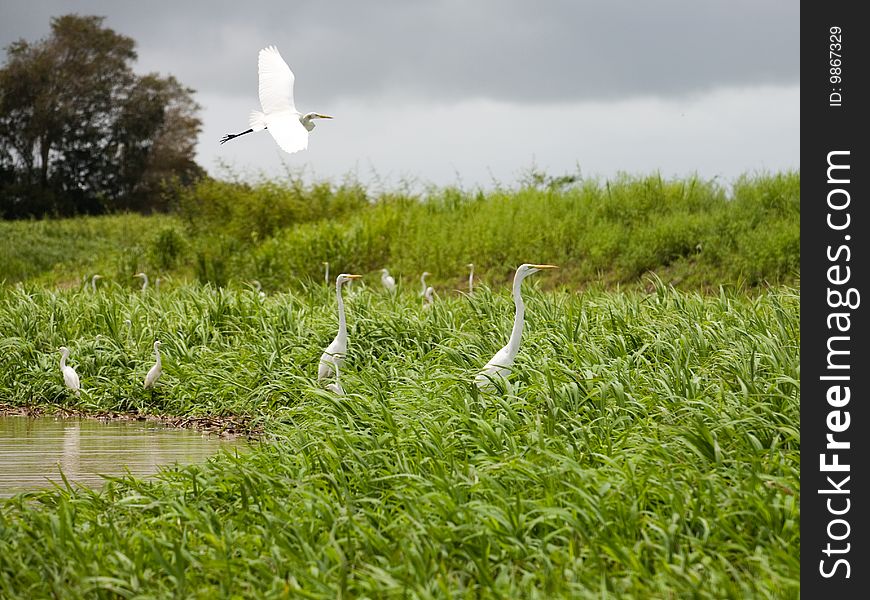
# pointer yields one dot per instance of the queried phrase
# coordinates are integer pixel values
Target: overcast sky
(473, 92)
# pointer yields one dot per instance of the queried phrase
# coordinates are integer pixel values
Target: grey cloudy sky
(472, 92)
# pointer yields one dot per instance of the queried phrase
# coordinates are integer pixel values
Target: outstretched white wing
(288, 131)
(276, 82)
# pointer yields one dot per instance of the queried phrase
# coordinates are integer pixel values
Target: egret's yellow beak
(545, 266)
(354, 276)
(319, 116)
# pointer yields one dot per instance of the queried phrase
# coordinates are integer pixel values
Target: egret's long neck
(519, 317)
(144, 282)
(342, 324)
(63, 360)
(157, 354)
(423, 281)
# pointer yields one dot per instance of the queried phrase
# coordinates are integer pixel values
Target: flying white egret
(155, 371)
(388, 281)
(423, 281)
(287, 125)
(144, 280)
(326, 271)
(94, 282)
(333, 356)
(500, 364)
(428, 297)
(70, 377)
(470, 278)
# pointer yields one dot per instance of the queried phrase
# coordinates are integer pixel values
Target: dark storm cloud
(451, 50)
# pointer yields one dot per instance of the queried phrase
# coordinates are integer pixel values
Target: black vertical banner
(835, 346)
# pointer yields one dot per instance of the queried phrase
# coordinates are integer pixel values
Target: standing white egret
(258, 287)
(470, 278)
(500, 364)
(428, 297)
(94, 282)
(326, 271)
(287, 125)
(155, 371)
(333, 356)
(144, 280)
(423, 281)
(388, 281)
(336, 388)
(70, 377)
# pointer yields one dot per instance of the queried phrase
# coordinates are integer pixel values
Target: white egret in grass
(470, 277)
(288, 126)
(428, 297)
(155, 371)
(333, 356)
(423, 282)
(144, 278)
(258, 287)
(388, 281)
(70, 377)
(499, 365)
(336, 388)
(94, 282)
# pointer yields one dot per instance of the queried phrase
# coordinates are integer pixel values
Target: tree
(81, 133)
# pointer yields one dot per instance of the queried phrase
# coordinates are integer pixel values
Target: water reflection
(34, 450)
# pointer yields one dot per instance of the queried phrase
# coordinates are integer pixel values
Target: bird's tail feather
(257, 120)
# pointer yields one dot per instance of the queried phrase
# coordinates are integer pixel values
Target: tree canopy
(81, 133)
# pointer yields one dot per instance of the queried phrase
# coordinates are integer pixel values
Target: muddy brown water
(34, 450)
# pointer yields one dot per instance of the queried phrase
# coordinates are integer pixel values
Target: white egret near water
(94, 282)
(500, 364)
(333, 356)
(288, 126)
(155, 371)
(470, 277)
(70, 377)
(388, 281)
(423, 281)
(144, 278)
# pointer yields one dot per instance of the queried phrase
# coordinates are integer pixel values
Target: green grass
(646, 447)
(692, 233)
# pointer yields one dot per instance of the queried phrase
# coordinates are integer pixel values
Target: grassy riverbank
(648, 445)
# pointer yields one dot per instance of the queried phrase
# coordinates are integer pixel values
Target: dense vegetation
(81, 133)
(692, 233)
(647, 447)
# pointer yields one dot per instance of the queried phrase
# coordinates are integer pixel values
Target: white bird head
(156, 344)
(527, 269)
(385, 272)
(345, 277)
(140, 274)
(64, 351)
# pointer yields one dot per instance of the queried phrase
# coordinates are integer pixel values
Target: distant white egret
(333, 356)
(428, 297)
(258, 287)
(94, 282)
(157, 284)
(470, 278)
(388, 281)
(423, 281)
(155, 371)
(287, 125)
(326, 271)
(70, 377)
(500, 364)
(144, 280)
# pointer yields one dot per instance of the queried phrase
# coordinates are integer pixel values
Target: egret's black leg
(230, 136)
